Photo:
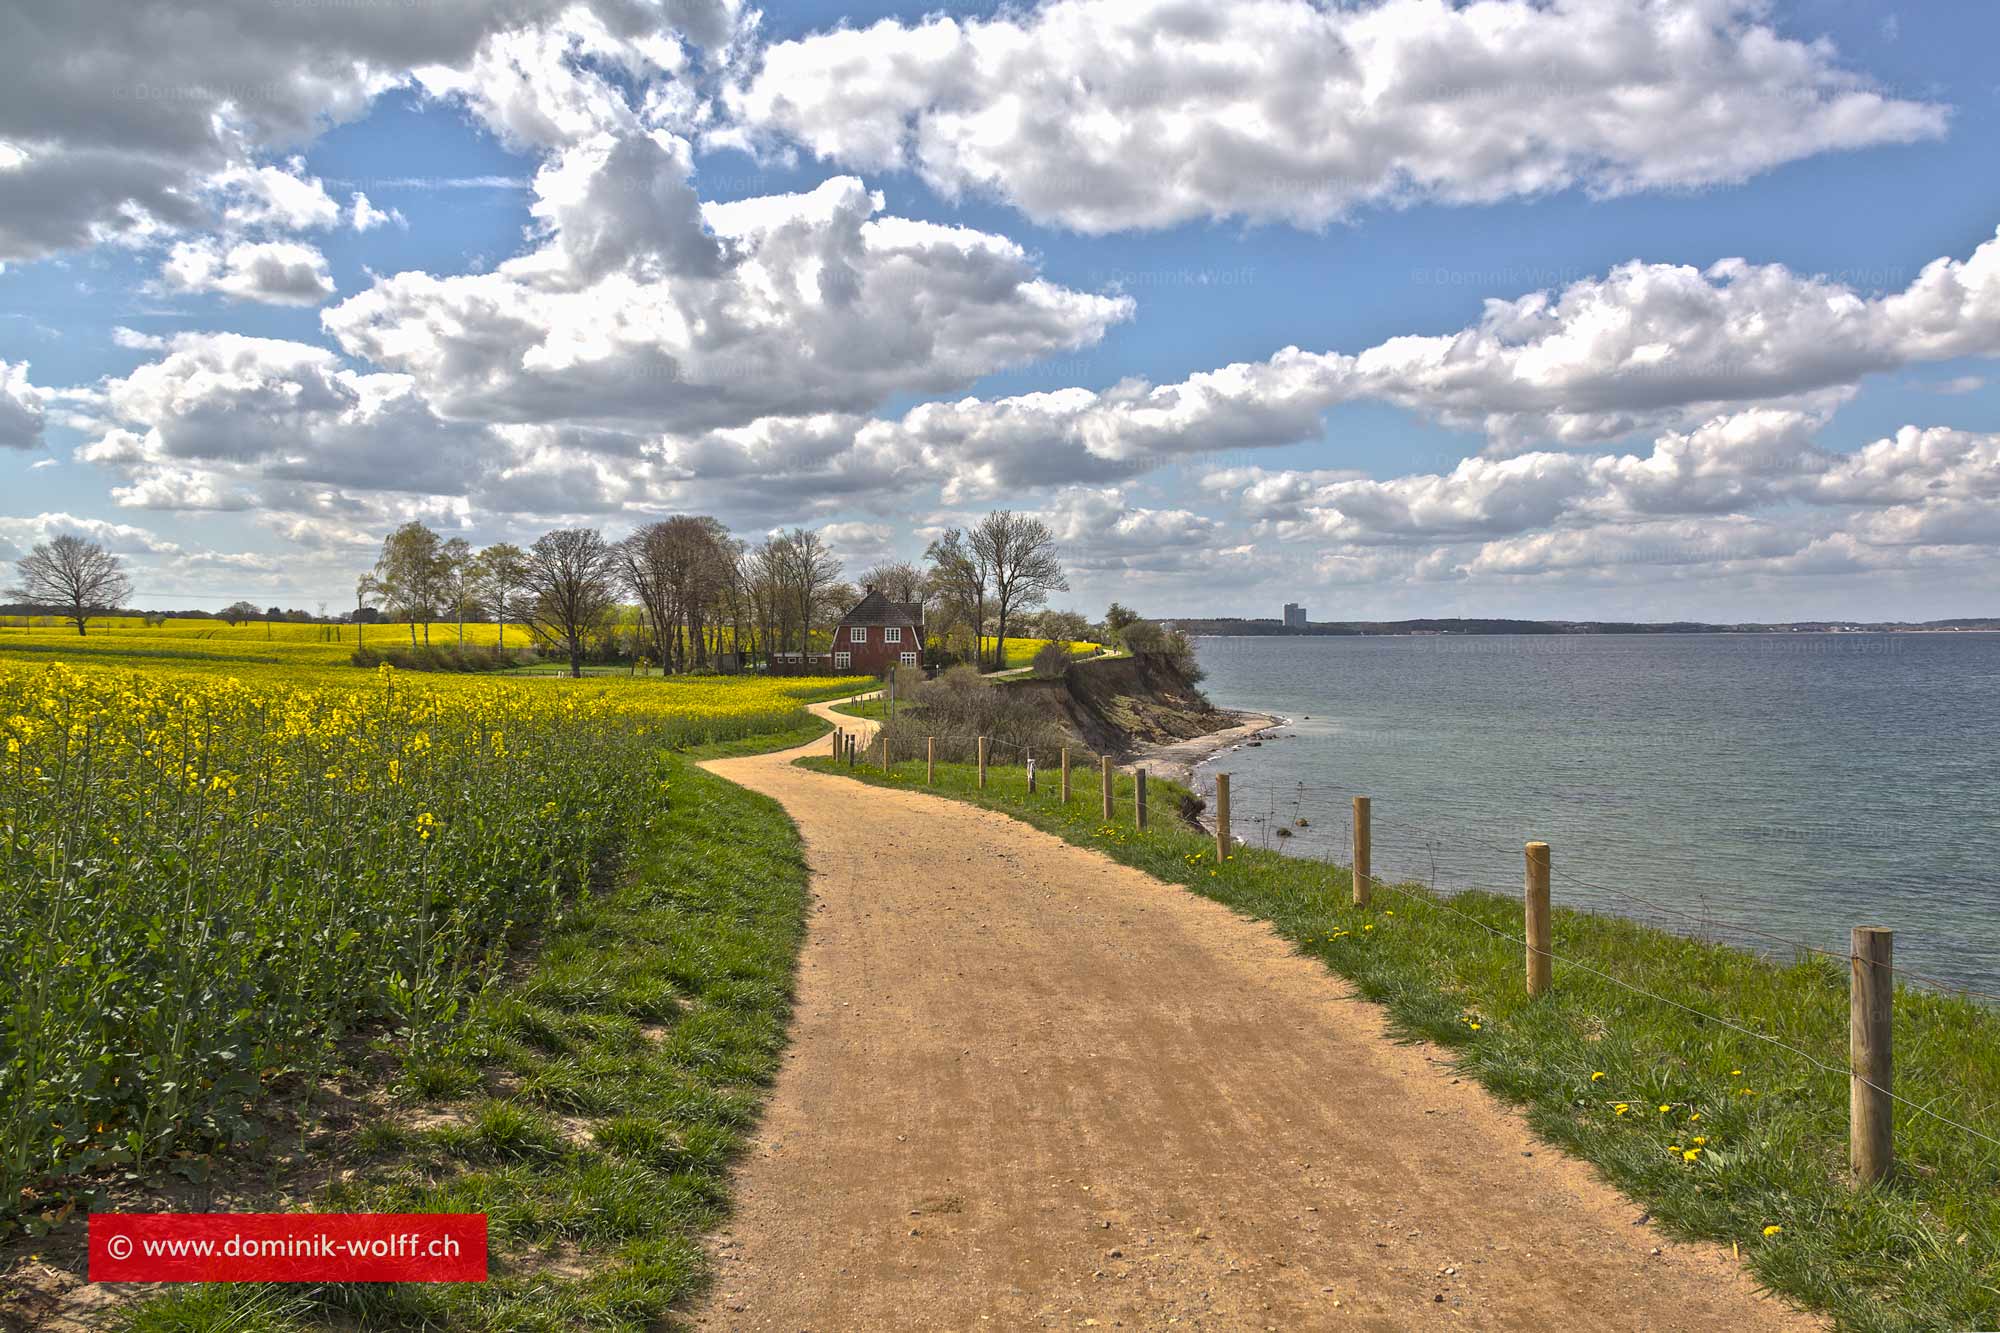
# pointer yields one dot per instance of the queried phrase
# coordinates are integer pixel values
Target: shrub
(438, 657)
(1052, 661)
(1146, 638)
(961, 705)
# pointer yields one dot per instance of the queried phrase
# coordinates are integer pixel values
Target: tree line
(683, 591)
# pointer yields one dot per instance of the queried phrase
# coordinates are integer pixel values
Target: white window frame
(909, 659)
(843, 661)
(858, 634)
(892, 634)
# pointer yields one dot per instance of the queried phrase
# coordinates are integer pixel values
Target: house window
(857, 635)
(892, 634)
(842, 661)
(909, 659)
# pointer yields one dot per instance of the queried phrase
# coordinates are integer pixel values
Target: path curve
(1029, 1087)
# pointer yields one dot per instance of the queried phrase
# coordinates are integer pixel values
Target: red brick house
(878, 634)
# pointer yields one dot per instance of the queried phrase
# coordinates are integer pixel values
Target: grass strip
(1721, 1135)
(598, 1102)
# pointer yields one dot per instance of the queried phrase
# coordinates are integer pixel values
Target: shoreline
(1175, 761)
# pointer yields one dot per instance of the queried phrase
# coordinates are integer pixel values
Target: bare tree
(897, 580)
(710, 562)
(501, 570)
(1019, 553)
(459, 577)
(733, 593)
(79, 576)
(809, 567)
(771, 603)
(645, 566)
(237, 612)
(366, 588)
(571, 588)
(959, 575)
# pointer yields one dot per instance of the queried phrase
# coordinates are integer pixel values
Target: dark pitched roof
(875, 609)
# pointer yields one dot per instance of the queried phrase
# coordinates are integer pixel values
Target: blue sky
(1364, 510)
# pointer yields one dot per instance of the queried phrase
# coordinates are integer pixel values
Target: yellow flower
(1736, 1073)
(1700, 1141)
(1665, 1109)
(1621, 1108)
(1597, 1076)
(1773, 1229)
(1690, 1154)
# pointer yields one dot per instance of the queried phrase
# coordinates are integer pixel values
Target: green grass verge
(598, 1100)
(1767, 1128)
(810, 730)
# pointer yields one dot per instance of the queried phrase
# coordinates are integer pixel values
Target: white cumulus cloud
(1103, 115)
(271, 272)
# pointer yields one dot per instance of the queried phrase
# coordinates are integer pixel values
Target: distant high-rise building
(1295, 616)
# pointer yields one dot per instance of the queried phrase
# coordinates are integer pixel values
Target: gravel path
(1031, 1088)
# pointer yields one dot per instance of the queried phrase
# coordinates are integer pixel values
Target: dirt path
(1029, 1087)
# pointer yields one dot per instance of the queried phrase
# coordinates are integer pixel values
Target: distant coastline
(1241, 627)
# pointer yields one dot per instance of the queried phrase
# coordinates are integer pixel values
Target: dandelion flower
(1597, 1076)
(1773, 1229)
(1622, 1108)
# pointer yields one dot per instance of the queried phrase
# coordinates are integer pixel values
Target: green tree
(414, 573)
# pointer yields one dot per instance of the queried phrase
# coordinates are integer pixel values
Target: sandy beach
(1175, 761)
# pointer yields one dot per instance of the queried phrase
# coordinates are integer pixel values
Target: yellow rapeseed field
(212, 870)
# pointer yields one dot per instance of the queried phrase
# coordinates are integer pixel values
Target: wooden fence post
(1031, 772)
(1065, 774)
(1222, 816)
(1139, 798)
(1539, 959)
(1871, 1144)
(885, 751)
(1364, 851)
(1105, 763)
(982, 763)
(930, 761)
(839, 739)
(853, 747)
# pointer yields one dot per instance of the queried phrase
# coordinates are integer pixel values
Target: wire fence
(1317, 823)
(1435, 868)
